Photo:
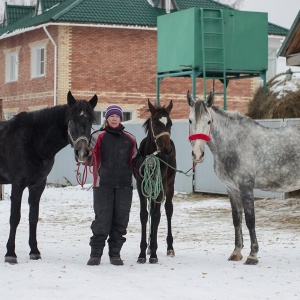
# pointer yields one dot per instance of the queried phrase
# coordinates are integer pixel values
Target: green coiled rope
(151, 187)
(152, 183)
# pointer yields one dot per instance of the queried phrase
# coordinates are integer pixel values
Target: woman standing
(115, 156)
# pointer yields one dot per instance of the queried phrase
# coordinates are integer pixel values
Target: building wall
(63, 63)
(27, 93)
(119, 65)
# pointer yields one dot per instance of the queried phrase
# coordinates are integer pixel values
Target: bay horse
(158, 130)
(246, 155)
(29, 142)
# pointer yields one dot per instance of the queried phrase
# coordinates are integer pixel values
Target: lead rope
(151, 187)
(81, 177)
(152, 183)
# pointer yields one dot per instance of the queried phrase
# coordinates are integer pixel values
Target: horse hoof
(11, 260)
(171, 253)
(153, 260)
(35, 256)
(141, 260)
(235, 257)
(251, 261)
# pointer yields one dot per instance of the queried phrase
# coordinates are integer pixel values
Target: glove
(150, 161)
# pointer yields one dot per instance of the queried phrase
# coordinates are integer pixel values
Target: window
(38, 61)
(127, 116)
(11, 66)
(100, 116)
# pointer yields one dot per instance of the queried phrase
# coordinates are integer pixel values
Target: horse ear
(169, 107)
(151, 107)
(190, 99)
(210, 100)
(71, 99)
(93, 101)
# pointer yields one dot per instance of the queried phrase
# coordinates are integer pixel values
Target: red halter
(199, 136)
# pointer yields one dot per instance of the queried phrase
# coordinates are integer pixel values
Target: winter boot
(116, 261)
(94, 261)
(95, 257)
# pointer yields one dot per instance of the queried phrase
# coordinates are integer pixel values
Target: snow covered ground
(203, 240)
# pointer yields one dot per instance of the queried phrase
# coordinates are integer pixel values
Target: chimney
(168, 6)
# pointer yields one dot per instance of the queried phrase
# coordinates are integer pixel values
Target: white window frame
(38, 61)
(12, 66)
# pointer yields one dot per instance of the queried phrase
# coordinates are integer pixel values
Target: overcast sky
(280, 12)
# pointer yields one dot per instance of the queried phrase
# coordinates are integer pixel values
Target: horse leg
(169, 213)
(144, 220)
(35, 193)
(155, 219)
(248, 203)
(15, 216)
(237, 215)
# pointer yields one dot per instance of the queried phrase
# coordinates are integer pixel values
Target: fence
(64, 169)
(204, 180)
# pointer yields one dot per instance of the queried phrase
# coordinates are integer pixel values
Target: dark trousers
(112, 208)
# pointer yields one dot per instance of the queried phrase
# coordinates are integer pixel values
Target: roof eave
(96, 25)
(284, 47)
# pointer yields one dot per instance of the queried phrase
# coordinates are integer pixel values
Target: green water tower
(212, 44)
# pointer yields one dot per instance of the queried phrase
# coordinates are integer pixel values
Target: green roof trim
(47, 4)
(67, 9)
(277, 30)
(17, 12)
(112, 12)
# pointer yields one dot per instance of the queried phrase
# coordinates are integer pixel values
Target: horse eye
(209, 122)
(190, 121)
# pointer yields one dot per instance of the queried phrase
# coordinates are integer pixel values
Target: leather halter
(157, 136)
(74, 142)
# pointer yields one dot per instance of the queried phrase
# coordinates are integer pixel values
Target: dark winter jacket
(115, 157)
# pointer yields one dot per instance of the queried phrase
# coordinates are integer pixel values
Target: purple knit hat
(114, 110)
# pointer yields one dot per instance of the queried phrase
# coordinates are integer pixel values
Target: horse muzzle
(198, 158)
(81, 150)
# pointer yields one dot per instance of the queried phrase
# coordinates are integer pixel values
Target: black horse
(158, 129)
(28, 143)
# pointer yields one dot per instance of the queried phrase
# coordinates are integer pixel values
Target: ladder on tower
(213, 50)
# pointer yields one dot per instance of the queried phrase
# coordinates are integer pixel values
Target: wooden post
(1, 118)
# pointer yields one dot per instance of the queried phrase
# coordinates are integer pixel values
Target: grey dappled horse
(246, 155)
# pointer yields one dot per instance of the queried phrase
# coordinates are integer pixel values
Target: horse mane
(48, 114)
(38, 117)
(158, 110)
(232, 115)
(146, 125)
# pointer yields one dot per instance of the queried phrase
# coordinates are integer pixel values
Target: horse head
(80, 118)
(159, 127)
(200, 120)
